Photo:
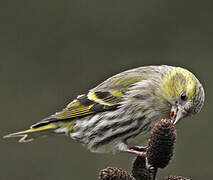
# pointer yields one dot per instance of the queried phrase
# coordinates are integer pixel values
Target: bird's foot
(141, 151)
(149, 166)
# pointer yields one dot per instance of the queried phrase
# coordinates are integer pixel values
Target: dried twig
(176, 178)
(112, 173)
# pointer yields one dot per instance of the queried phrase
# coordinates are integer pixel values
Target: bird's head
(183, 91)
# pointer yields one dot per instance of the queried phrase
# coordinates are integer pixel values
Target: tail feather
(29, 134)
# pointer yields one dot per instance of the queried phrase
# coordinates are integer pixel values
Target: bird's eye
(183, 96)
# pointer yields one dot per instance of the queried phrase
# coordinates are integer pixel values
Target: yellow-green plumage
(112, 115)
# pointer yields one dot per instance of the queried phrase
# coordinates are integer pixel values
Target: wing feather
(105, 97)
(84, 105)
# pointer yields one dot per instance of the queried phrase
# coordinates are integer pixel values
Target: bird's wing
(84, 105)
(105, 97)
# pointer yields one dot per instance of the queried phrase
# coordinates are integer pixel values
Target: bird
(118, 114)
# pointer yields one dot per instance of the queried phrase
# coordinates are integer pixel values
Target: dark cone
(176, 178)
(139, 170)
(112, 173)
(161, 144)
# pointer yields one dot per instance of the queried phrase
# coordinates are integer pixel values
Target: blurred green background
(51, 51)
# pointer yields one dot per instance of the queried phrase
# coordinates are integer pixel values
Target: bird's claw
(149, 166)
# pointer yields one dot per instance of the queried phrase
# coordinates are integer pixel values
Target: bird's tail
(41, 130)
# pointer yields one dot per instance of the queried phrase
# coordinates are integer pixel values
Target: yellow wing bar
(84, 105)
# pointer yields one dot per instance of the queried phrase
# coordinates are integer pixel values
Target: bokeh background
(51, 51)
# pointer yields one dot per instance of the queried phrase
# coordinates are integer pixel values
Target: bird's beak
(177, 113)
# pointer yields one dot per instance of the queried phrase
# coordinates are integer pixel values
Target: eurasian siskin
(121, 111)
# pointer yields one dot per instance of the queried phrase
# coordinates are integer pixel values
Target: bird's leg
(141, 151)
(139, 148)
(138, 153)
